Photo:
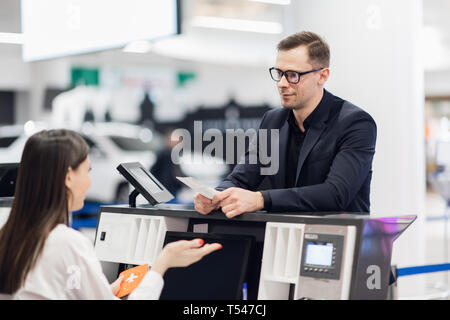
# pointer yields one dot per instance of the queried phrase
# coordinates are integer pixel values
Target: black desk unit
(332, 256)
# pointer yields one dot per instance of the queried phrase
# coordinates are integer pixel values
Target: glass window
(131, 144)
(5, 142)
(90, 143)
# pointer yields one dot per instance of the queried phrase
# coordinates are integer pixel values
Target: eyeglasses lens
(291, 77)
(276, 74)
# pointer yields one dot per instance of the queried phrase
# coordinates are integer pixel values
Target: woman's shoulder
(61, 231)
(65, 237)
(66, 246)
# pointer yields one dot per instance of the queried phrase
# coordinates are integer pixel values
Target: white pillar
(44, 74)
(376, 63)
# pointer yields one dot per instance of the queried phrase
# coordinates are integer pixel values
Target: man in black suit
(326, 144)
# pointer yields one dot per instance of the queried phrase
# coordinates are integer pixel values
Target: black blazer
(334, 166)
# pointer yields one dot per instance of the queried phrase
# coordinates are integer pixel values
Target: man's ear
(324, 75)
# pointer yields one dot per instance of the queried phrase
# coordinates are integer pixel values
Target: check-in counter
(294, 256)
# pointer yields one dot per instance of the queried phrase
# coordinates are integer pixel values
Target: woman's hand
(115, 286)
(182, 253)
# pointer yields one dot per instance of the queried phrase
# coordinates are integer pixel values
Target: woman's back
(67, 269)
(40, 256)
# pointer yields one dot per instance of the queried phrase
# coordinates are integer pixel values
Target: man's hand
(235, 201)
(204, 205)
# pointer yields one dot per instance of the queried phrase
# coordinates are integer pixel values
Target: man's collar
(319, 114)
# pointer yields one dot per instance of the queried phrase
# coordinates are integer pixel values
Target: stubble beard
(291, 106)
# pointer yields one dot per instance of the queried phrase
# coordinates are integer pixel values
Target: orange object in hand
(131, 279)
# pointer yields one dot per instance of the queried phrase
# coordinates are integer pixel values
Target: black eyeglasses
(291, 76)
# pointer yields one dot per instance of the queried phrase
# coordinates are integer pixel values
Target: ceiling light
(237, 24)
(29, 127)
(14, 38)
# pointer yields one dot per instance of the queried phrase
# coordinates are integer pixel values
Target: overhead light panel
(237, 24)
(13, 38)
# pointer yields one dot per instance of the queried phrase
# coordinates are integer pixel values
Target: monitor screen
(145, 180)
(144, 183)
(218, 276)
(319, 254)
(8, 177)
(66, 27)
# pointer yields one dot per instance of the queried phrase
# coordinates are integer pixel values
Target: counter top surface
(188, 211)
(6, 202)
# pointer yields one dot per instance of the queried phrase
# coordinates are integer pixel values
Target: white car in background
(110, 144)
(13, 139)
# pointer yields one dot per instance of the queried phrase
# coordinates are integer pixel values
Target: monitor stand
(172, 206)
(132, 198)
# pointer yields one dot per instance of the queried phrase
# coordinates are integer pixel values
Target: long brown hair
(40, 202)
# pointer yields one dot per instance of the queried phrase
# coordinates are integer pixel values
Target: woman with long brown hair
(38, 249)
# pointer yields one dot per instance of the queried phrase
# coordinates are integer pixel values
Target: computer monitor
(145, 183)
(218, 276)
(8, 177)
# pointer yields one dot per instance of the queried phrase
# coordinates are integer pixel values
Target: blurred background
(125, 74)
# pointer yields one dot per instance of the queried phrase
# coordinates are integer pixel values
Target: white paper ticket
(197, 186)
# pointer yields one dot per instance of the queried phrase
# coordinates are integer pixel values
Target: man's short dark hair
(318, 49)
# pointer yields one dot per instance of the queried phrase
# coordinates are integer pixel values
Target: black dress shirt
(296, 139)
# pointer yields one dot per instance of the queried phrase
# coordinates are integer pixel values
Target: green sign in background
(86, 76)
